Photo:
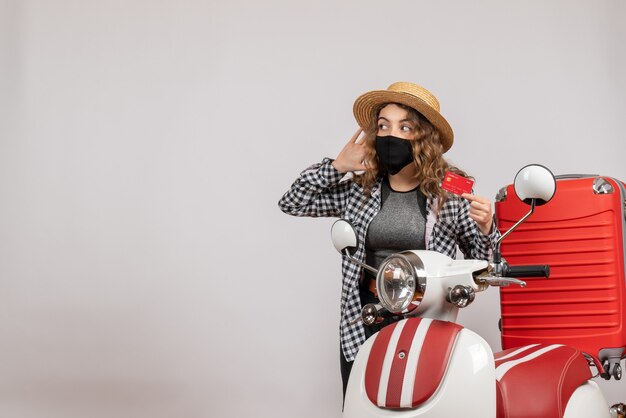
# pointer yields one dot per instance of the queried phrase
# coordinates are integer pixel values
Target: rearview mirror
(343, 236)
(535, 185)
(345, 241)
(535, 182)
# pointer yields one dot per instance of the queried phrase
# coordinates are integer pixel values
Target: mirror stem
(354, 260)
(497, 254)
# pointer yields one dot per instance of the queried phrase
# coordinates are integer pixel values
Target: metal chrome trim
(461, 296)
(501, 195)
(419, 274)
(533, 202)
(601, 186)
(357, 262)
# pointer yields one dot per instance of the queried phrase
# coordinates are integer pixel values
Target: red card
(457, 184)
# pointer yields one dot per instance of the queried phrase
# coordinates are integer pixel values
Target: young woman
(393, 196)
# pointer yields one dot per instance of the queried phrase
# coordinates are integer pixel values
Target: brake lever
(502, 281)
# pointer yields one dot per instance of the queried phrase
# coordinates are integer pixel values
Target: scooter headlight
(401, 280)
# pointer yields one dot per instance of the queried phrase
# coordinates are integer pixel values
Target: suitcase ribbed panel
(579, 234)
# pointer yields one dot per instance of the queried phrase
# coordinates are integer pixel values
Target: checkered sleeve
(316, 192)
(471, 241)
(454, 227)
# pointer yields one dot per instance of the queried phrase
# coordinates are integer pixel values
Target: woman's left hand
(480, 211)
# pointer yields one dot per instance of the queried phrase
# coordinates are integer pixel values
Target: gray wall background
(145, 269)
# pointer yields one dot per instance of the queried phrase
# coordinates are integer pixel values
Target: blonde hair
(427, 157)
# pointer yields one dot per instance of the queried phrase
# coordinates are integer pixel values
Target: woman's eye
(406, 128)
(382, 126)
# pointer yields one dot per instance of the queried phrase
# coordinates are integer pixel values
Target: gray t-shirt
(399, 225)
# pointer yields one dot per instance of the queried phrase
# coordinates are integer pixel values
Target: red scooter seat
(537, 380)
(407, 362)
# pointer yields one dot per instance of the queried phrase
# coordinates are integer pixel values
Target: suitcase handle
(574, 176)
(527, 271)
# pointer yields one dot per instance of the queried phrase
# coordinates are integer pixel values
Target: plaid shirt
(321, 190)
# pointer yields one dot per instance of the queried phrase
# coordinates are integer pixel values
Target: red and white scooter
(427, 366)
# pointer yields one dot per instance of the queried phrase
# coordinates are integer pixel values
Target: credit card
(457, 184)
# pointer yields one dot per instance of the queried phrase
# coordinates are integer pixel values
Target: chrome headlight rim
(413, 266)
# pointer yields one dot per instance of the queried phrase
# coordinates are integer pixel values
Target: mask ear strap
(421, 202)
(385, 191)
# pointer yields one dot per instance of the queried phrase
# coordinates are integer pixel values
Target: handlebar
(526, 271)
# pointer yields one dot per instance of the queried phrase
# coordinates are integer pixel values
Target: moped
(426, 365)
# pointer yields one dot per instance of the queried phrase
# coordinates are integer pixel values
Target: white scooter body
(468, 387)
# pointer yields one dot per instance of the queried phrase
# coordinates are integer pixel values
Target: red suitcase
(580, 235)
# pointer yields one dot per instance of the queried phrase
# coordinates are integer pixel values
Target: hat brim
(366, 104)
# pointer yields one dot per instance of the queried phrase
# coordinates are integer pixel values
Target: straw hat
(408, 94)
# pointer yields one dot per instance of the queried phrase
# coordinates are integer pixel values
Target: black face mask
(393, 153)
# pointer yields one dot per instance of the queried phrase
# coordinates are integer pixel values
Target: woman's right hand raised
(352, 155)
